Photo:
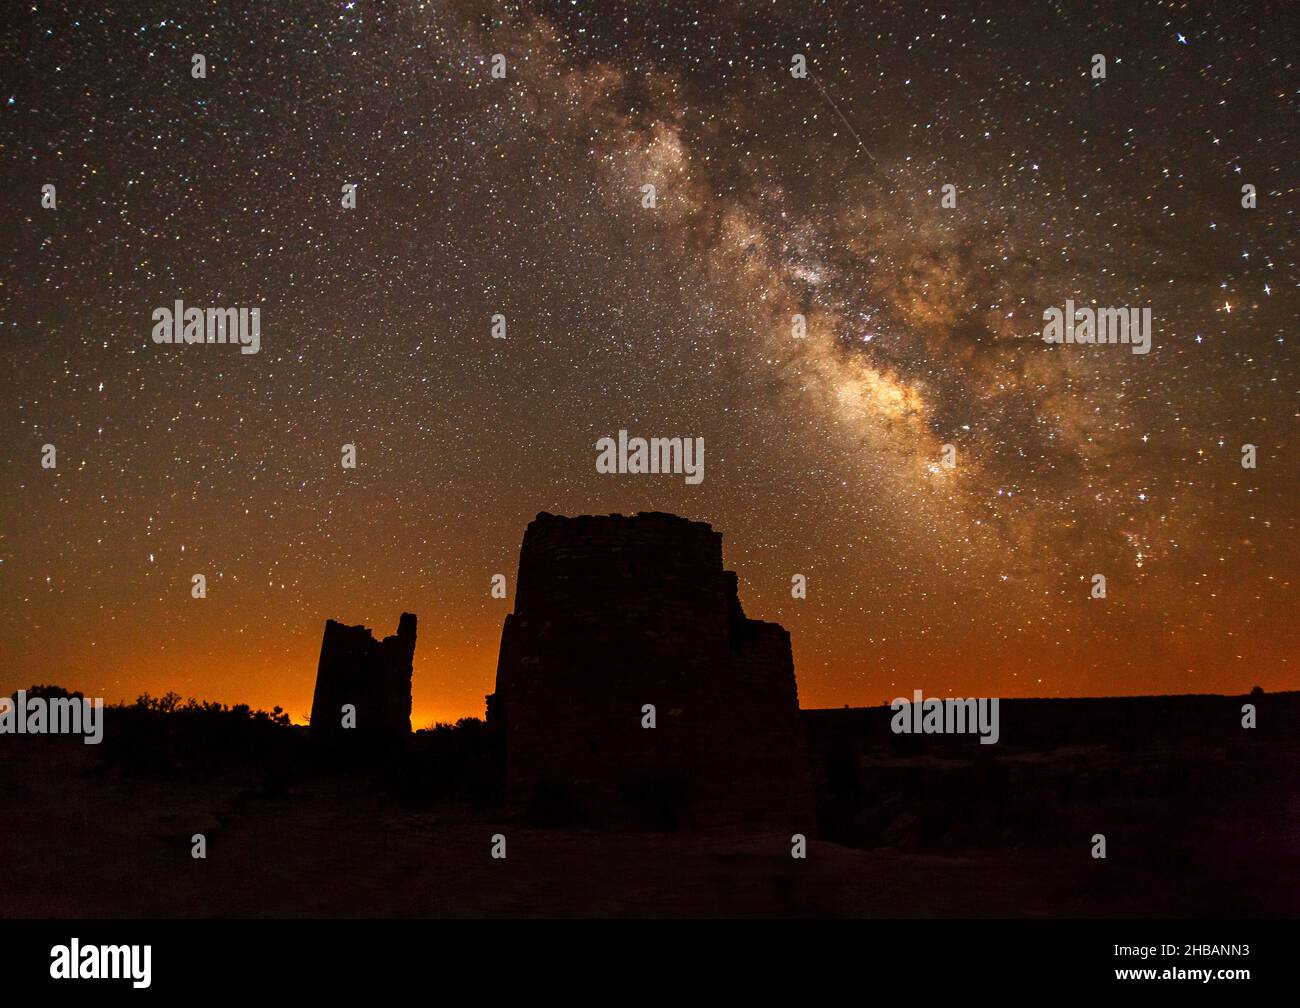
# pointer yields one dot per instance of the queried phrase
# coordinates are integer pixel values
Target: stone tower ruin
(614, 613)
(373, 676)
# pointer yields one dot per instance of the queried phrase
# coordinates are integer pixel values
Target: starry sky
(775, 195)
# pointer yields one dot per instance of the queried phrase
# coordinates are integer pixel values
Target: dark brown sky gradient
(523, 196)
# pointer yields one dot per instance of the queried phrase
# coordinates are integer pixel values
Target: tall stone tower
(615, 613)
(373, 676)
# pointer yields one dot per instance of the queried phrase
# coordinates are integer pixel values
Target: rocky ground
(82, 840)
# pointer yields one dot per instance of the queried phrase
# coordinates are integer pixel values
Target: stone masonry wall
(612, 613)
(373, 676)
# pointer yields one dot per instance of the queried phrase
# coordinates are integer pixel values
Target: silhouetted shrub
(464, 761)
(163, 737)
(54, 693)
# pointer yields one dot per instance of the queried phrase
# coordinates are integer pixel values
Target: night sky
(775, 195)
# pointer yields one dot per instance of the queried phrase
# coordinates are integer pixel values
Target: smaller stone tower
(373, 676)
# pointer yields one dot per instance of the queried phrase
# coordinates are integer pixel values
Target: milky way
(776, 195)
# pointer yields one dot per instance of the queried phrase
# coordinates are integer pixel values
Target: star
(859, 347)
